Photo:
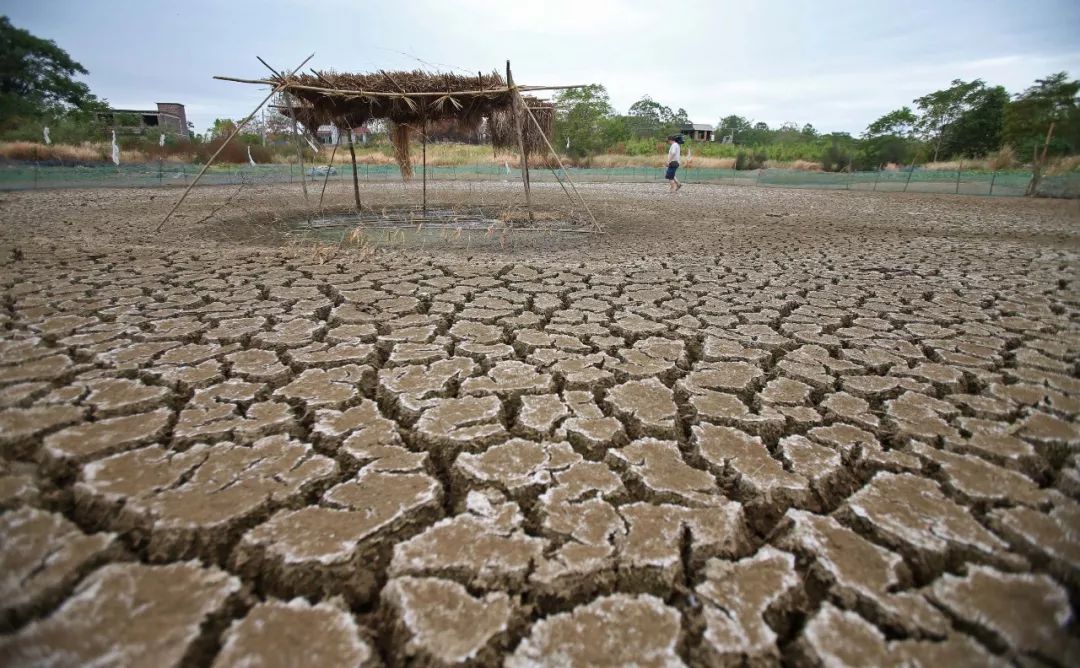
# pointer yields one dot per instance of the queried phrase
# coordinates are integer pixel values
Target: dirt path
(745, 425)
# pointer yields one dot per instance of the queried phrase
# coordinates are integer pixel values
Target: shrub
(1003, 158)
(835, 158)
(748, 160)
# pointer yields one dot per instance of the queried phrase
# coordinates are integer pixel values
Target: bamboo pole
(516, 104)
(329, 166)
(423, 159)
(911, 170)
(366, 93)
(1036, 174)
(355, 178)
(561, 166)
(300, 157)
(235, 132)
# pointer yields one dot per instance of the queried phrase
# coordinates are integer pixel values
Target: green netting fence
(22, 176)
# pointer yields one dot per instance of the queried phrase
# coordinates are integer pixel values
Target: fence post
(877, 177)
(757, 180)
(911, 170)
(993, 178)
(959, 168)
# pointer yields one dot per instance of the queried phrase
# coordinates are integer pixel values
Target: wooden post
(355, 178)
(423, 158)
(300, 157)
(329, 166)
(959, 168)
(911, 170)
(235, 132)
(993, 177)
(516, 106)
(1036, 174)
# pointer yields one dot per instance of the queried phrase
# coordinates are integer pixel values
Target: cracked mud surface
(845, 436)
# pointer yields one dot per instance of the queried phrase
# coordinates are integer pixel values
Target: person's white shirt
(674, 152)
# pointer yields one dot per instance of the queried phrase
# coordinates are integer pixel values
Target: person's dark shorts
(672, 166)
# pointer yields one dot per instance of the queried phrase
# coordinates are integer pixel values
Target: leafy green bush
(750, 160)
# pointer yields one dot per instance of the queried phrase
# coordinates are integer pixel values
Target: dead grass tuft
(1003, 158)
(799, 165)
(1063, 165)
(27, 150)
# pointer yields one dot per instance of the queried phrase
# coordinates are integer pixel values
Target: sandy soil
(744, 426)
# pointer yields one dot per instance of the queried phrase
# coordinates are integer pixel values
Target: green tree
(735, 126)
(809, 132)
(650, 119)
(839, 152)
(222, 127)
(1050, 100)
(978, 130)
(898, 123)
(890, 139)
(36, 78)
(645, 117)
(759, 134)
(582, 118)
(942, 108)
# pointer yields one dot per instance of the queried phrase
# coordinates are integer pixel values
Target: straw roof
(504, 134)
(408, 99)
(404, 97)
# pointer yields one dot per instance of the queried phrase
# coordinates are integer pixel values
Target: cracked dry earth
(847, 436)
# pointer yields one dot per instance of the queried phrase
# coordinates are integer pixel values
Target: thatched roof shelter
(411, 99)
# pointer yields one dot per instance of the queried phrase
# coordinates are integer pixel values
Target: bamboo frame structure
(335, 103)
(235, 132)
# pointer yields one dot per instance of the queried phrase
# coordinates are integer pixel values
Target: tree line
(966, 120)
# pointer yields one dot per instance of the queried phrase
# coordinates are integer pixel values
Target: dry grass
(800, 165)
(400, 133)
(999, 160)
(501, 127)
(1003, 158)
(438, 155)
(1063, 165)
(954, 165)
(657, 161)
(85, 152)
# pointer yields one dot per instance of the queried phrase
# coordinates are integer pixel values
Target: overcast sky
(836, 64)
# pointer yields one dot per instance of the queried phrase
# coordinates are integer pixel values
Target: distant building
(325, 133)
(168, 117)
(698, 131)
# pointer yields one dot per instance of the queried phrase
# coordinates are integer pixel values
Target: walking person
(674, 154)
